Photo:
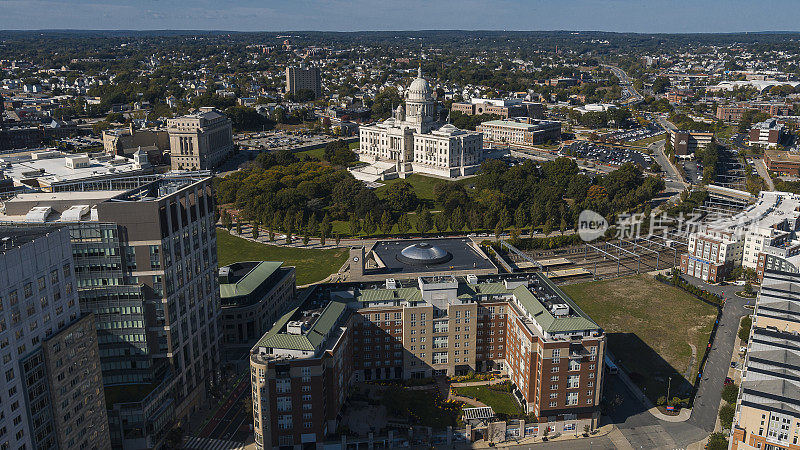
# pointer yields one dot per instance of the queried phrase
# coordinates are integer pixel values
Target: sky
(661, 16)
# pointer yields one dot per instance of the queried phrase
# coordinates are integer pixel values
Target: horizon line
(188, 30)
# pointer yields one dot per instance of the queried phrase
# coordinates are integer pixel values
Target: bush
(730, 392)
(726, 415)
(717, 441)
(744, 328)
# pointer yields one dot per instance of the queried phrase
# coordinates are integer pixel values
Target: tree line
(284, 194)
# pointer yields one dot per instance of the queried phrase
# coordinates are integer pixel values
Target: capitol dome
(419, 88)
(423, 254)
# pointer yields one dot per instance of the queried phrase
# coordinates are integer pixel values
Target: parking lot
(635, 134)
(277, 140)
(603, 154)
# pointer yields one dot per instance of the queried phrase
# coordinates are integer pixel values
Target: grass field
(649, 326)
(647, 141)
(319, 152)
(315, 153)
(501, 402)
(422, 185)
(312, 265)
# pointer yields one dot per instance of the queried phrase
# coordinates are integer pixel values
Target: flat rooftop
(464, 256)
(784, 156)
(49, 167)
(17, 236)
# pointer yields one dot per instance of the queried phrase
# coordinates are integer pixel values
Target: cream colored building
(200, 141)
(768, 408)
(413, 141)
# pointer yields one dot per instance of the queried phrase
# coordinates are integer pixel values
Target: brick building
(733, 113)
(433, 326)
(768, 133)
(782, 162)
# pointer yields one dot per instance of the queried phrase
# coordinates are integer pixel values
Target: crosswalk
(197, 443)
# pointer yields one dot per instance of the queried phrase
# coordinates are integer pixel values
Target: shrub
(730, 392)
(726, 415)
(717, 441)
(744, 328)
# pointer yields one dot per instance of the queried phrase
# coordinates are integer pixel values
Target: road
(626, 83)
(231, 421)
(761, 168)
(642, 429)
(709, 394)
(674, 180)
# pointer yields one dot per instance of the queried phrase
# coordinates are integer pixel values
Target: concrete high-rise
(52, 396)
(145, 258)
(303, 78)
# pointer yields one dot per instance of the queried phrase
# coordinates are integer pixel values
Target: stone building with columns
(414, 141)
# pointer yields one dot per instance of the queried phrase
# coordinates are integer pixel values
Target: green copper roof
(310, 341)
(251, 281)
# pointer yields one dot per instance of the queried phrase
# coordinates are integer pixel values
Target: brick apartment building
(733, 113)
(433, 326)
(711, 254)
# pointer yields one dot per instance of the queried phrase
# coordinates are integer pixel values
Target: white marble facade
(415, 142)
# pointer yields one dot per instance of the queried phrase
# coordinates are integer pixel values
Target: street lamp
(669, 383)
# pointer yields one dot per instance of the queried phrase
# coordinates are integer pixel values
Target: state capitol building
(414, 141)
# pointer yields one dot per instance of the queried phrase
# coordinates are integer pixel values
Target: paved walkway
(315, 242)
(467, 400)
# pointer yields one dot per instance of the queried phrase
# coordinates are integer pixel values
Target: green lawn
(422, 185)
(647, 141)
(315, 153)
(421, 407)
(312, 265)
(649, 326)
(501, 402)
(320, 152)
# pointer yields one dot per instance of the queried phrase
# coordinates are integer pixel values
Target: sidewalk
(682, 416)
(606, 430)
(330, 242)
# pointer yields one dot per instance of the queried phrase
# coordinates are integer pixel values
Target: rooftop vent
(295, 327)
(560, 310)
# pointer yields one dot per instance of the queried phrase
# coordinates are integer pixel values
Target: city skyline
(678, 16)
